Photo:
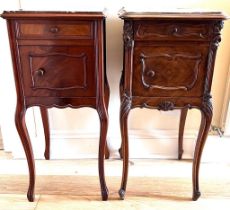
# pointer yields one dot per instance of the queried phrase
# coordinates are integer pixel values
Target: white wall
(81, 127)
(7, 88)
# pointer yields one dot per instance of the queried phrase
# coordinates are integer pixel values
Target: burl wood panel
(166, 67)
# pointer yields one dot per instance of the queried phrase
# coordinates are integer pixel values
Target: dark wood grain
(54, 29)
(206, 118)
(157, 63)
(183, 116)
(59, 61)
(46, 128)
(26, 143)
(180, 30)
(168, 64)
(106, 87)
(124, 151)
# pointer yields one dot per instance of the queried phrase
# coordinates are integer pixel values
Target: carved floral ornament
(210, 64)
(128, 34)
(162, 106)
(166, 106)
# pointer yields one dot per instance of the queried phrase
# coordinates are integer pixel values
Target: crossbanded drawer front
(55, 29)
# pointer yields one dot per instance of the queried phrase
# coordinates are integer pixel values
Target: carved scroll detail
(128, 34)
(216, 38)
(166, 106)
(207, 102)
(163, 30)
(126, 103)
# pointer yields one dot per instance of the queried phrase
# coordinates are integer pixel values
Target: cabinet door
(169, 69)
(60, 71)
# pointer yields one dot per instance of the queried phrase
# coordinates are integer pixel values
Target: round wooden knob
(54, 29)
(175, 31)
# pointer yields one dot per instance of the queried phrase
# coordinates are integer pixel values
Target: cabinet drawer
(169, 70)
(55, 29)
(162, 30)
(57, 71)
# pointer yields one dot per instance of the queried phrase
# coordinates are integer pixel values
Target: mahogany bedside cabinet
(168, 64)
(59, 61)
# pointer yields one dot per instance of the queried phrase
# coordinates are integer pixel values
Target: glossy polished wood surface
(59, 61)
(168, 64)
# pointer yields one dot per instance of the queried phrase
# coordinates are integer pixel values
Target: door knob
(40, 72)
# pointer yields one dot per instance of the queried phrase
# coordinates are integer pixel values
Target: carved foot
(196, 195)
(122, 194)
(180, 155)
(30, 195)
(47, 155)
(106, 156)
(120, 152)
(104, 194)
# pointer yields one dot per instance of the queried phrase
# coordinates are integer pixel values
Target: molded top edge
(52, 14)
(189, 14)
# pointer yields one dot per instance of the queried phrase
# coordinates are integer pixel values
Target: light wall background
(81, 126)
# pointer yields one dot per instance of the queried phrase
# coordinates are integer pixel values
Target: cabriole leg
(183, 116)
(25, 139)
(124, 111)
(45, 121)
(206, 118)
(103, 115)
(107, 93)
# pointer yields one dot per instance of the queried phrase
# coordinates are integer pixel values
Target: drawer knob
(54, 29)
(40, 72)
(175, 30)
(151, 73)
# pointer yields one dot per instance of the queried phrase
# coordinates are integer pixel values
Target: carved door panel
(169, 70)
(58, 71)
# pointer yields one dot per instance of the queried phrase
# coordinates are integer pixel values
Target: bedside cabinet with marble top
(59, 61)
(168, 64)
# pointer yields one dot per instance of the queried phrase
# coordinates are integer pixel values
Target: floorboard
(152, 184)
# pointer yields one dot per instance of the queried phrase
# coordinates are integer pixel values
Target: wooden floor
(152, 184)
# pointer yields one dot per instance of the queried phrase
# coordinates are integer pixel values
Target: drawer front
(58, 71)
(169, 70)
(162, 30)
(54, 29)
